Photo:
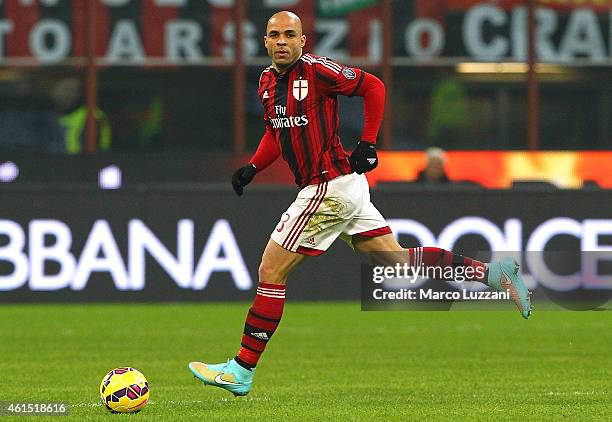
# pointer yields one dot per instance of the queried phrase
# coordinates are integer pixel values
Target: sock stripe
(254, 343)
(261, 292)
(251, 330)
(271, 290)
(246, 346)
(276, 296)
(263, 317)
(418, 257)
(459, 261)
(261, 324)
(271, 296)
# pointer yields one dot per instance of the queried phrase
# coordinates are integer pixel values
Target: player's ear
(303, 41)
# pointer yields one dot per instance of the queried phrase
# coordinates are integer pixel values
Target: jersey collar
(289, 69)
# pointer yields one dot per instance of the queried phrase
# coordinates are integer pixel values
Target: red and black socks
(261, 322)
(430, 257)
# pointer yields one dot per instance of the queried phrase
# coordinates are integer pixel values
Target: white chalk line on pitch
(187, 402)
(575, 393)
(179, 402)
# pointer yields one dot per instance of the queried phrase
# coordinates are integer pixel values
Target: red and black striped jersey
(301, 110)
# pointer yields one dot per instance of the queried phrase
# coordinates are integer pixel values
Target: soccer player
(299, 95)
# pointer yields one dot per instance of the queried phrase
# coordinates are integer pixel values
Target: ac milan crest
(300, 89)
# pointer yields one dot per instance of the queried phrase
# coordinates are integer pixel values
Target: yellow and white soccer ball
(124, 390)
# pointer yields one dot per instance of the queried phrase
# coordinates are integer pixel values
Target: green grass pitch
(327, 361)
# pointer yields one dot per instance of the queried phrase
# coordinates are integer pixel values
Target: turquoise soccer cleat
(504, 275)
(230, 376)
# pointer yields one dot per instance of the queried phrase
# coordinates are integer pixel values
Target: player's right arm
(267, 152)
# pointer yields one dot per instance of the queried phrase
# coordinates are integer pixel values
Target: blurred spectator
(152, 123)
(27, 122)
(68, 97)
(433, 173)
(449, 115)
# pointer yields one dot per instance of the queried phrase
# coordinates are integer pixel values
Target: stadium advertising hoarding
(496, 169)
(205, 245)
(192, 32)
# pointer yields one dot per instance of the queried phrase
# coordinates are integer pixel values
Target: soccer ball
(124, 390)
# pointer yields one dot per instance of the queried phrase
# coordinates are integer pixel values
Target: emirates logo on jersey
(300, 89)
(281, 122)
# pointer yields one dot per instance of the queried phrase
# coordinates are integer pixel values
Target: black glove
(363, 158)
(243, 177)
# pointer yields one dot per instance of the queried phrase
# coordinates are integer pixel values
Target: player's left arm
(336, 79)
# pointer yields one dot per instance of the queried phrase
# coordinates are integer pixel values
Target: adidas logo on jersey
(261, 336)
(371, 160)
(265, 95)
(311, 241)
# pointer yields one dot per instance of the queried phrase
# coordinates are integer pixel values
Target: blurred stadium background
(121, 122)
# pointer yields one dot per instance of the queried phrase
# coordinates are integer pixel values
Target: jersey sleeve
(336, 79)
(263, 94)
(267, 151)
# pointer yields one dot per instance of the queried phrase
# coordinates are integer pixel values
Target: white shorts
(321, 213)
